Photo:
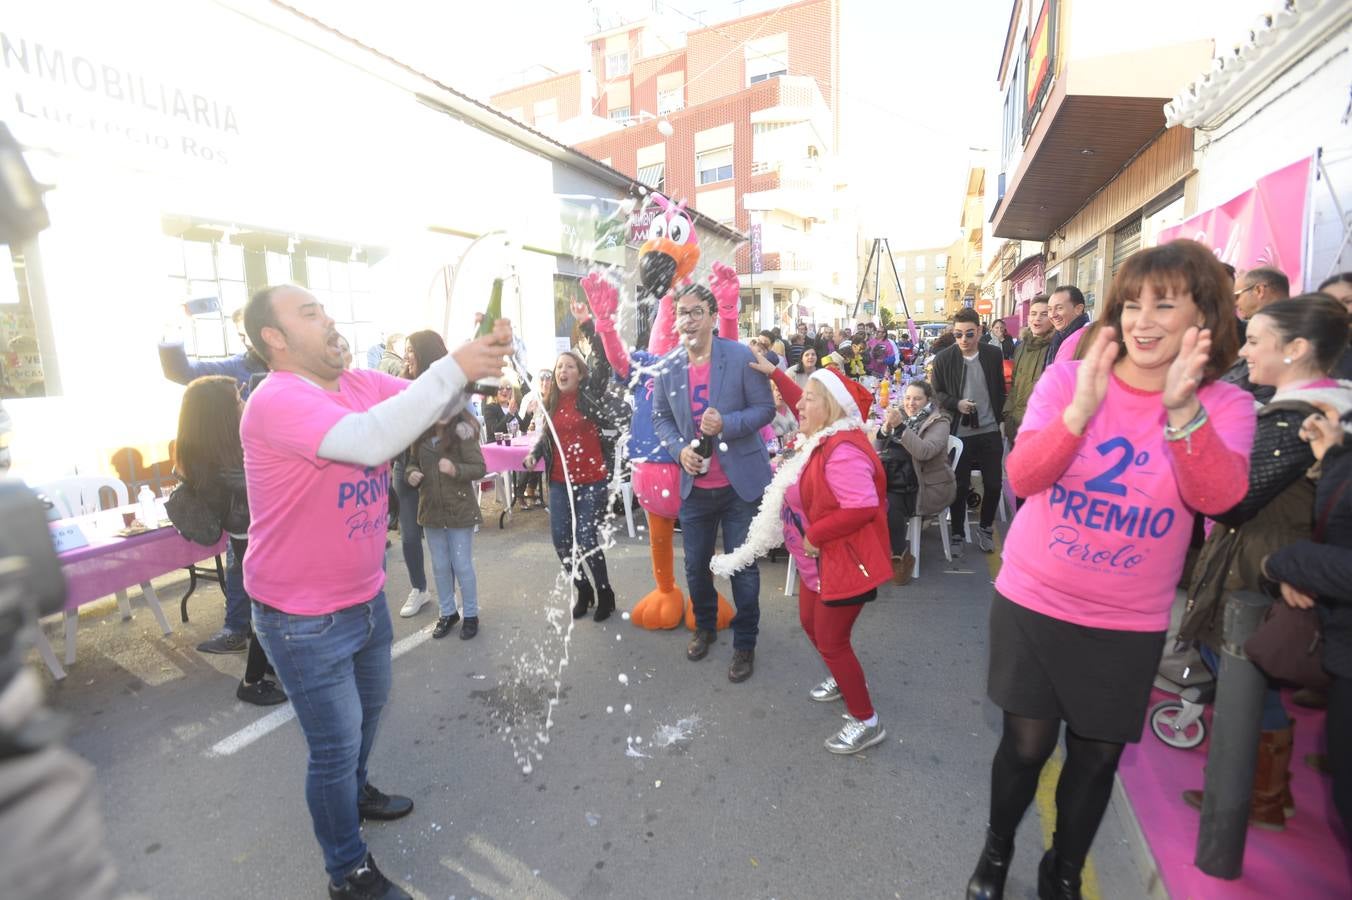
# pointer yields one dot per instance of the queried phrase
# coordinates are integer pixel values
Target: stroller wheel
(1163, 718)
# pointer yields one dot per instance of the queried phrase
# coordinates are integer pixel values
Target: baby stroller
(1178, 722)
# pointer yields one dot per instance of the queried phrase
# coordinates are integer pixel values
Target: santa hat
(852, 396)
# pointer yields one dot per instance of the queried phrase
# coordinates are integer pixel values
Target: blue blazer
(742, 397)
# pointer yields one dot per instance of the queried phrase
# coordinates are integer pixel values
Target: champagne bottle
(704, 446)
(488, 386)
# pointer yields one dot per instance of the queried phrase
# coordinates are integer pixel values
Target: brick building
(742, 121)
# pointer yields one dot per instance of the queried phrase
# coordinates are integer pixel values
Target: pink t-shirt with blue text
(317, 527)
(1104, 545)
(699, 402)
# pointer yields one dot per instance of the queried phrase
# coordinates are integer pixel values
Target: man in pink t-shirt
(316, 441)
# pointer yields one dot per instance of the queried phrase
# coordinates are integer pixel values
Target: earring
(1287, 360)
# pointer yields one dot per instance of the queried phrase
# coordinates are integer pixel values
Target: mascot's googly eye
(680, 229)
(658, 229)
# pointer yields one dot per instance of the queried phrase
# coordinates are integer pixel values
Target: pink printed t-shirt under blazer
(317, 529)
(1104, 545)
(699, 402)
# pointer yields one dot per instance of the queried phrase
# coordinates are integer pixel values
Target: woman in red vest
(828, 505)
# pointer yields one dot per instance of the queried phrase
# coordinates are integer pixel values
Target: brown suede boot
(1271, 782)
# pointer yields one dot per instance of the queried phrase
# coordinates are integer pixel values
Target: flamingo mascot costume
(666, 261)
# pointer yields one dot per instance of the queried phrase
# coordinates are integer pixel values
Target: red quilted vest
(855, 551)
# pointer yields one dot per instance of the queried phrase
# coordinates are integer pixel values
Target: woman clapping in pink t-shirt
(1117, 454)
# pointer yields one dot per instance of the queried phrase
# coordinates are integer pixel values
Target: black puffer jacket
(1324, 569)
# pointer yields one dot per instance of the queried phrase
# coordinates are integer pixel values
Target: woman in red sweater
(827, 504)
(581, 429)
(1117, 454)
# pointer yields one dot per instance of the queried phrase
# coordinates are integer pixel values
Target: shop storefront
(249, 150)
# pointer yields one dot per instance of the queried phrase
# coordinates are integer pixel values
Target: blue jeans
(453, 561)
(236, 600)
(410, 532)
(589, 504)
(701, 514)
(336, 670)
(1274, 717)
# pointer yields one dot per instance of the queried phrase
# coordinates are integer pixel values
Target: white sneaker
(855, 736)
(825, 692)
(416, 600)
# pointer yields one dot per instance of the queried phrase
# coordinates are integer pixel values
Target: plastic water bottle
(147, 511)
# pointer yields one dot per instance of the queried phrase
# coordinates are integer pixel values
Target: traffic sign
(985, 306)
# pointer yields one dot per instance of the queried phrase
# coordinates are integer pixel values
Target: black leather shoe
(1058, 879)
(445, 624)
(988, 881)
(743, 664)
(698, 647)
(470, 628)
(605, 603)
(585, 598)
(263, 692)
(372, 804)
(367, 883)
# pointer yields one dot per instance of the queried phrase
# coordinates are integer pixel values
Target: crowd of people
(1199, 418)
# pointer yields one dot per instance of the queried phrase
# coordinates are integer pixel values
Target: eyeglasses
(1241, 291)
(960, 335)
(694, 313)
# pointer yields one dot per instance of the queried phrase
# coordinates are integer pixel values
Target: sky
(918, 80)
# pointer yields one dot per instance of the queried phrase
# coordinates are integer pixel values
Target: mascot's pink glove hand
(726, 288)
(603, 298)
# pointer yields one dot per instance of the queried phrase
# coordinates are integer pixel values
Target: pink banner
(1264, 226)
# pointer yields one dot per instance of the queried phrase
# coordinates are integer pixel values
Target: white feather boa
(767, 530)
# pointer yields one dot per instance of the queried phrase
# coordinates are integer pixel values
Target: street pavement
(650, 777)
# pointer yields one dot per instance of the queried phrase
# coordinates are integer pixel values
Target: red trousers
(828, 628)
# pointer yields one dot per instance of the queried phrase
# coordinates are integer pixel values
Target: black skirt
(1097, 680)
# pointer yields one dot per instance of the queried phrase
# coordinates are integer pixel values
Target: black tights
(1082, 793)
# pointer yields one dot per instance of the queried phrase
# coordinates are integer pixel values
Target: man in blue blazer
(707, 387)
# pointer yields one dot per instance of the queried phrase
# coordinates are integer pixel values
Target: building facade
(183, 180)
(925, 278)
(1274, 95)
(743, 122)
(1088, 171)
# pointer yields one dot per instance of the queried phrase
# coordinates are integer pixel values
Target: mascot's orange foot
(725, 613)
(660, 609)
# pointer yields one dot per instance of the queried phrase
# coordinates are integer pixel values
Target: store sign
(757, 262)
(1041, 61)
(1264, 226)
(60, 87)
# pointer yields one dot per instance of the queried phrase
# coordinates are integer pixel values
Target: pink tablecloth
(509, 458)
(109, 565)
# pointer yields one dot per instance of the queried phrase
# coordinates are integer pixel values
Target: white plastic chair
(943, 517)
(82, 495)
(78, 496)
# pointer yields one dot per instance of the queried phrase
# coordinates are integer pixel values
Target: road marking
(1046, 810)
(279, 717)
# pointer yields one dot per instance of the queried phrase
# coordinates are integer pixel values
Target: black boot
(988, 881)
(605, 603)
(585, 597)
(1057, 878)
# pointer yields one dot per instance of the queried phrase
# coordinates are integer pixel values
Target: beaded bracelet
(1185, 433)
